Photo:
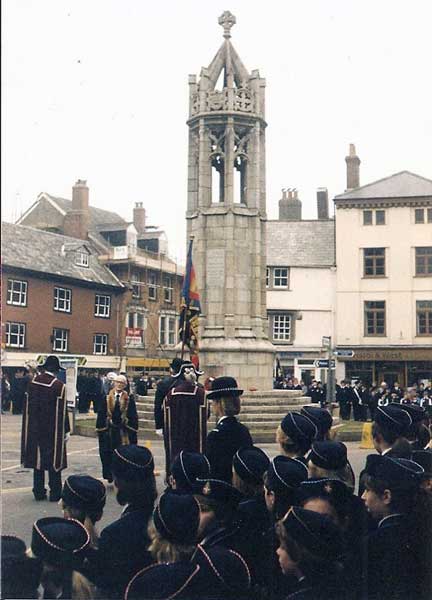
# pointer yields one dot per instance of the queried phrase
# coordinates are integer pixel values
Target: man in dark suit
(229, 435)
(344, 398)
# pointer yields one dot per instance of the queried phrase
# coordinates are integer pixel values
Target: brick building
(137, 254)
(57, 298)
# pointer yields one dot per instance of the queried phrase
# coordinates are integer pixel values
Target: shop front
(404, 365)
(301, 364)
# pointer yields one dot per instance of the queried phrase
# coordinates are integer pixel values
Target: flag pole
(187, 307)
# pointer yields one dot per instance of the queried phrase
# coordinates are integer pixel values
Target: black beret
(285, 473)
(177, 518)
(399, 472)
(84, 492)
(328, 455)
(416, 412)
(225, 571)
(319, 416)
(221, 492)
(18, 570)
(132, 462)
(336, 491)
(393, 418)
(61, 542)
(424, 459)
(298, 427)
(224, 386)
(250, 464)
(316, 532)
(167, 580)
(187, 468)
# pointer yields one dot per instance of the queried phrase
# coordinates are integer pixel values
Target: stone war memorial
(226, 217)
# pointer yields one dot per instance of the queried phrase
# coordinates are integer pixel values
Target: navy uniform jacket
(122, 551)
(222, 443)
(162, 389)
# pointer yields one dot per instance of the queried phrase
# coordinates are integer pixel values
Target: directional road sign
(326, 341)
(344, 353)
(324, 364)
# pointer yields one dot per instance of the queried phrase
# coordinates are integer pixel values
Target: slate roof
(301, 243)
(98, 216)
(41, 251)
(400, 185)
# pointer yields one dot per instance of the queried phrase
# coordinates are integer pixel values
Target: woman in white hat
(116, 424)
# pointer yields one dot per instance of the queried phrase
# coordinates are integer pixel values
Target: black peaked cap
(250, 464)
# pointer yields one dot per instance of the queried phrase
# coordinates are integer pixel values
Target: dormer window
(81, 258)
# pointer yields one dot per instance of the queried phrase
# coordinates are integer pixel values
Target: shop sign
(134, 336)
(392, 354)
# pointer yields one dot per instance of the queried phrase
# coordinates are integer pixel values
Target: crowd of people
(233, 523)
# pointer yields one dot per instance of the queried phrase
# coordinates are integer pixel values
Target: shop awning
(150, 363)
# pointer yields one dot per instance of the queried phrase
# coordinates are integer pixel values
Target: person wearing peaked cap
(329, 459)
(321, 418)
(83, 498)
(295, 434)
(249, 466)
(310, 548)
(229, 435)
(400, 549)
(116, 423)
(45, 430)
(123, 545)
(185, 415)
(186, 469)
(224, 573)
(281, 484)
(61, 545)
(424, 459)
(180, 580)
(218, 502)
(174, 529)
(20, 574)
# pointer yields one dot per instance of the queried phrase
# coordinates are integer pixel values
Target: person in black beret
(83, 498)
(20, 574)
(61, 545)
(389, 428)
(45, 430)
(424, 459)
(229, 435)
(179, 580)
(310, 548)
(418, 432)
(218, 502)
(330, 459)
(174, 528)
(123, 545)
(281, 484)
(295, 435)
(186, 469)
(321, 418)
(400, 549)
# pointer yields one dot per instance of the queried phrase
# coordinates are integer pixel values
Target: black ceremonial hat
(60, 541)
(424, 459)
(187, 468)
(393, 419)
(220, 492)
(52, 363)
(416, 412)
(177, 518)
(132, 462)
(399, 472)
(224, 386)
(250, 464)
(18, 570)
(329, 455)
(165, 581)
(224, 570)
(298, 427)
(84, 492)
(320, 416)
(285, 474)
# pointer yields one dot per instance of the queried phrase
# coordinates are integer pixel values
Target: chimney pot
(353, 168)
(76, 220)
(322, 203)
(139, 217)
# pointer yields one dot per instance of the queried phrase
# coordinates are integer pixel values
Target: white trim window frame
(152, 285)
(81, 258)
(62, 299)
(168, 288)
(60, 340)
(280, 277)
(281, 327)
(102, 306)
(100, 344)
(17, 292)
(15, 334)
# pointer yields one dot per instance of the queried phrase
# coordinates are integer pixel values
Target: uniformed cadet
(295, 435)
(310, 548)
(424, 459)
(416, 434)
(399, 551)
(322, 420)
(186, 469)
(61, 545)
(20, 574)
(229, 435)
(330, 459)
(218, 502)
(281, 484)
(83, 498)
(123, 545)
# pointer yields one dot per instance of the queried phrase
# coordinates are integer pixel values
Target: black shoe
(39, 497)
(54, 497)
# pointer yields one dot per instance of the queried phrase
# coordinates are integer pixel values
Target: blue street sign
(344, 353)
(324, 364)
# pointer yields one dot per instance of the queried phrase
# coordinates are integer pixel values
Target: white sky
(97, 90)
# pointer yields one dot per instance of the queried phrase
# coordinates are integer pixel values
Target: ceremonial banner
(190, 309)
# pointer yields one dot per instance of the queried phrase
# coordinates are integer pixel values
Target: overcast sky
(97, 90)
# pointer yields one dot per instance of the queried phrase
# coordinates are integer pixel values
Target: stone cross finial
(227, 20)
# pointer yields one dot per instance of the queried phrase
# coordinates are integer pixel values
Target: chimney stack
(322, 203)
(353, 169)
(76, 221)
(290, 208)
(139, 217)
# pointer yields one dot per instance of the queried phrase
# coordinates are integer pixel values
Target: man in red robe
(45, 429)
(185, 415)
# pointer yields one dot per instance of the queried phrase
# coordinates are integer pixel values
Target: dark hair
(142, 492)
(297, 448)
(230, 404)
(388, 436)
(283, 500)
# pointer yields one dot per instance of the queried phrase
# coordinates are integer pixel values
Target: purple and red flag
(190, 309)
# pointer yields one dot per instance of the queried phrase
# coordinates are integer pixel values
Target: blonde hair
(88, 520)
(230, 404)
(344, 474)
(164, 551)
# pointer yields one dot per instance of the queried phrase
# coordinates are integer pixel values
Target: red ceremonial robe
(45, 424)
(185, 421)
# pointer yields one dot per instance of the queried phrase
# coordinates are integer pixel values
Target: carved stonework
(243, 100)
(217, 100)
(217, 142)
(227, 20)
